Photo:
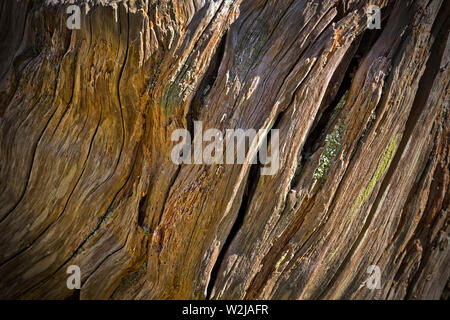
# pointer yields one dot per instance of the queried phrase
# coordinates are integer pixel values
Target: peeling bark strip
(86, 176)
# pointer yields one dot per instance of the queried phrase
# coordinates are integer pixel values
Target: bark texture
(86, 176)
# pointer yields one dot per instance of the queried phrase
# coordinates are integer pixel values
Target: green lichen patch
(381, 169)
(277, 266)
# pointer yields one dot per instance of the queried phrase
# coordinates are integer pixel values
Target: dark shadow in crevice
(143, 203)
(341, 83)
(249, 188)
(205, 85)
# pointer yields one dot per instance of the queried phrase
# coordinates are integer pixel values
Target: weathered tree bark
(86, 176)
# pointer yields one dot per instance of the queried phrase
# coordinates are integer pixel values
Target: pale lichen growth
(333, 143)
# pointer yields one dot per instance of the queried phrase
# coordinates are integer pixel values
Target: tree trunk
(87, 179)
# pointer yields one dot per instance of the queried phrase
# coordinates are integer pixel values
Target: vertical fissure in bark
(206, 84)
(246, 200)
(118, 83)
(249, 190)
(158, 216)
(142, 208)
(194, 110)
